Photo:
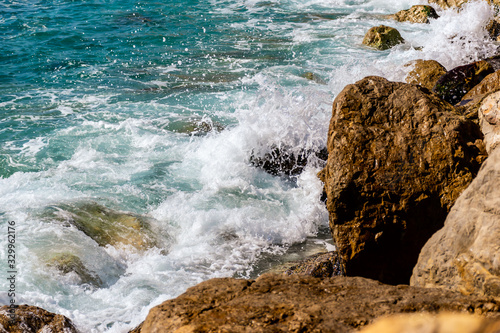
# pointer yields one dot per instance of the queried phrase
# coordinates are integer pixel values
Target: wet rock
(32, 319)
(489, 84)
(425, 73)
(446, 4)
(70, 263)
(298, 303)
(465, 254)
(107, 226)
(197, 127)
(382, 37)
(313, 77)
(416, 14)
(399, 157)
(457, 82)
(493, 29)
(286, 160)
(320, 265)
(432, 323)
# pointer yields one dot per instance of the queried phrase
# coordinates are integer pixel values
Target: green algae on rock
(382, 37)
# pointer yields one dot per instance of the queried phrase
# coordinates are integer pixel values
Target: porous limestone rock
(465, 254)
(399, 156)
(446, 322)
(416, 14)
(298, 303)
(489, 120)
(425, 73)
(457, 82)
(382, 37)
(32, 319)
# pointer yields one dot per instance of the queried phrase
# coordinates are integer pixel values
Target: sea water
(154, 109)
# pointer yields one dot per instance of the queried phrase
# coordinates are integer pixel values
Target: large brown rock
(32, 319)
(416, 14)
(399, 156)
(382, 37)
(279, 303)
(425, 73)
(465, 254)
(457, 82)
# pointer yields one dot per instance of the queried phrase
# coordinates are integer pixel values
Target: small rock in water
(416, 14)
(69, 263)
(382, 37)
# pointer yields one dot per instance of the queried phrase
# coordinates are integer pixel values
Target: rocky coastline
(412, 187)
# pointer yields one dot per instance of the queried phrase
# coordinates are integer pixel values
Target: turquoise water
(152, 109)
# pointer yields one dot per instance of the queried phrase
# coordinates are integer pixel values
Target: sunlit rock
(425, 73)
(416, 14)
(382, 37)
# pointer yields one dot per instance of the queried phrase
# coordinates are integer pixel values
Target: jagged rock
(488, 85)
(432, 323)
(457, 82)
(425, 73)
(399, 156)
(106, 226)
(320, 265)
(298, 303)
(32, 319)
(382, 37)
(284, 161)
(465, 254)
(416, 14)
(70, 263)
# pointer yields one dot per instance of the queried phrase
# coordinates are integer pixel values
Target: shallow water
(152, 111)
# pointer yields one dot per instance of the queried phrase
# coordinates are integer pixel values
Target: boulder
(416, 14)
(399, 156)
(67, 263)
(457, 82)
(32, 319)
(465, 254)
(489, 120)
(106, 226)
(320, 265)
(425, 73)
(279, 303)
(433, 323)
(382, 37)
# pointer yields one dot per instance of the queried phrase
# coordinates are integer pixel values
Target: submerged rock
(196, 127)
(425, 73)
(457, 82)
(32, 319)
(286, 160)
(382, 37)
(69, 263)
(416, 14)
(298, 303)
(465, 254)
(106, 226)
(313, 77)
(431, 323)
(399, 157)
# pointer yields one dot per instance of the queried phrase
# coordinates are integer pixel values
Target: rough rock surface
(431, 323)
(66, 262)
(382, 37)
(457, 82)
(425, 73)
(465, 254)
(32, 319)
(493, 29)
(445, 4)
(489, 120)
(279, 303)
(399, 156)
(488, 85)
(416, 14)
(319, 265)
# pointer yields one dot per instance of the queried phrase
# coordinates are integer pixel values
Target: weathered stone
(489, 84)
(425, 73)
(431, 323)
(313, 77)
(489, 120)
(465, 254)
(279, 303)
(70, 263)
(284, 161)
(106, 226)
(319, 265)
(416, 14)
(32, 319)
(493, 28)
(457, 82)
(445, 4)
(382, 37)
(399, 156)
